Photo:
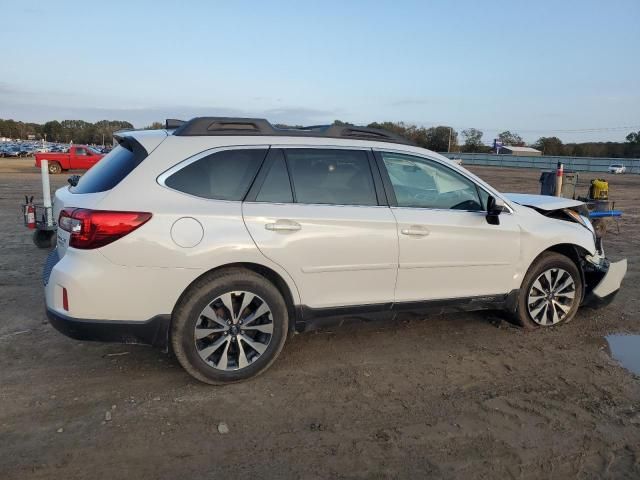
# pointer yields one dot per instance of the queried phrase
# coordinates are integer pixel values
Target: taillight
(97, 228)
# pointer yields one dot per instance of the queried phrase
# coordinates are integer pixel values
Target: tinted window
(422, 183)
(111, 169)
(81, 151)
(339, 177)
(225, 175)
(276, 187)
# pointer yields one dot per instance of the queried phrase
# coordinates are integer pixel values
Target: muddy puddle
(625, 349)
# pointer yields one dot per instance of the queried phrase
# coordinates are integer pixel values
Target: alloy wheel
(551, 296)
(234, 330)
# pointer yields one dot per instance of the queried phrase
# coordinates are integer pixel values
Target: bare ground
(456, 396)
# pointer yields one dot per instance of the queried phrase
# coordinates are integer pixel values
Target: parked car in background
(79, 157)
(223, 237)
(617, 168)
(12, 151)
(27, 150)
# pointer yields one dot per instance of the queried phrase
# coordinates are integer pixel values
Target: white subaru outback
(219, 237)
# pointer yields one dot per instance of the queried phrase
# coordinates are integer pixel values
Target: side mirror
(495, 206)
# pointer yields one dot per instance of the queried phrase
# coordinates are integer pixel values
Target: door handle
(283, 226)
(415, 230)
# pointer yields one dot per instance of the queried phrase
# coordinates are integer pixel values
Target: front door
(82, 158)
(316, 213)
(447, 248)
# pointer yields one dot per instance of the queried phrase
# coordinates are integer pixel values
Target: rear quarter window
(112, 168)
(225, 175)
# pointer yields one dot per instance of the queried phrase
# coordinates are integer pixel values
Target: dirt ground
(455, 396)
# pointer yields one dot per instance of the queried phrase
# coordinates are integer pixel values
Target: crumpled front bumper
(605, 283)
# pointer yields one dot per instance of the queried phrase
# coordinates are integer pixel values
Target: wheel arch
(288, 292)
(570, 250)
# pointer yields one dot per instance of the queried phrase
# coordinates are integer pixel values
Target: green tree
(434, 138)
(633, 138)
(509, 138)
(442, 139)
(549, 146)
(340, 123)
(472, 140)
(632, 147)
(53, 131)
(155, 126)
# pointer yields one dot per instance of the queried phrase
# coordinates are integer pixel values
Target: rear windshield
(112, 168)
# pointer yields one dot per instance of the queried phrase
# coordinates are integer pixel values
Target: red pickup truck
(79, 157)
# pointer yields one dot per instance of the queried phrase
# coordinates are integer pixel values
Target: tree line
(441, 138)
(78, 131)
(444, 138)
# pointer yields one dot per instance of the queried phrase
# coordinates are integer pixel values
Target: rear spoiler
(131, 144)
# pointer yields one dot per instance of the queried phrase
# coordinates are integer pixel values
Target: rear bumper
(100, 290)
(154, 331)
(608, 285)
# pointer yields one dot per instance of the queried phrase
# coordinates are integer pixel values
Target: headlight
(582, 220)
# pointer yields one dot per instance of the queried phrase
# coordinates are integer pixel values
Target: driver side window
(421, 183)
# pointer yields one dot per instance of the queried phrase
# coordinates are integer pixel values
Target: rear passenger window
(276, 187)
(337, 177)
(225, 175)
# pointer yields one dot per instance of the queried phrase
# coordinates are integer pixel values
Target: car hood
(542, 202)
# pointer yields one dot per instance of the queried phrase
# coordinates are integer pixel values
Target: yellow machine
(599, 189)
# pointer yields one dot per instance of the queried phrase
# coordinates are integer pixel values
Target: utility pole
(450, 133)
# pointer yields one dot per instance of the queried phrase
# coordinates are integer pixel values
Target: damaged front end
(601, 278)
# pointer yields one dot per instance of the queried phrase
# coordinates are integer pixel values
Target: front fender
(544, 234)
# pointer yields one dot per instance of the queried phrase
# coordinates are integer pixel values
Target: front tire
(229, 326)
(551, 292)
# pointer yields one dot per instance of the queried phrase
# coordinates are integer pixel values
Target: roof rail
(219, 126)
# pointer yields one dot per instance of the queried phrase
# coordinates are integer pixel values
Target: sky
(540, 68)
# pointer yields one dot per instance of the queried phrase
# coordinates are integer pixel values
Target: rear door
(447, 248)
(319, 214)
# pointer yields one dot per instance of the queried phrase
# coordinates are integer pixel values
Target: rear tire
(55, 168)
(229, 326)
(551, 292)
